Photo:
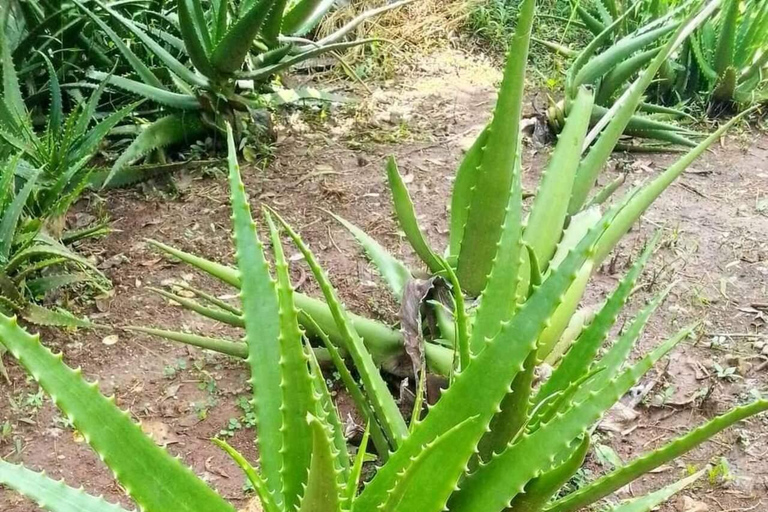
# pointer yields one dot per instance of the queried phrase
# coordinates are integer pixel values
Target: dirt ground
(715, 222)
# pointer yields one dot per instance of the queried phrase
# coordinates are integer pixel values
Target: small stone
(110, 340)
(690, 505)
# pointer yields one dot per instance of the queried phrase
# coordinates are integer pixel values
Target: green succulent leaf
(153, 479)
(49, 494)
(406, 216)
(263, 332)
(493, 180)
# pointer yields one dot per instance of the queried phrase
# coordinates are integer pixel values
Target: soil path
(715, 223)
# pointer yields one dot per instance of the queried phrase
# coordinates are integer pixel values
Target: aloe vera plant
(723, 62)
(629, 35)
(63, 149)
(219, 61)
(727, 57)
(33, 262)
(44, 174)
(304, 460)
(485, 195)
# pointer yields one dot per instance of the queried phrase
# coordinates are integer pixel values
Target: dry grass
(415, 28)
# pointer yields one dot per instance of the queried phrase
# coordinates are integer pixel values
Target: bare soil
(715, 245)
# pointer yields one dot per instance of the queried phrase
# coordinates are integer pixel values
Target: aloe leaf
(605, 193)
(207, 297)
(296, 385)
(354, 390)
(541, 489)
(512, 416)
(223, 346)
(621, 72)
(617, 53)
(461, 318)
(196, 37)
(169, 60)
(486, 379)
(11, 217)
(406, 216)
(602, 36)
(218, 315)
(304, 15)
(328, 413)
(147, 76)
(55, 109)
(577, 360)
(262, 315)
(50, 494)
(322, 488)
(663, 135)
(493, 485)
(593, 24)
(617, 355)
(466, 177)
(221, 15)
(640, 199)
(164, 132)
(394, 272)
(654, 499)
(382, 341)
(229, 54)
(274, 23)
(12, 99)
(565, 311)
(499, 298)
(153, 479)
(350, 489)
(85, 148)
(265, 496)
(43, 316)
(89, 109)
(153, 93)
(382, 403)
(726, 41)
(495, 173)
(623, 475)
(429, 481)
(48, 283)
(550, 207)
(544, 411)
(267, 71)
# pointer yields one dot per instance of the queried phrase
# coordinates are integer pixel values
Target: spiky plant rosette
(475, 449)
(218, 64)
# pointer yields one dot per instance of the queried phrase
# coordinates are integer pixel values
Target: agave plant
(219, 61)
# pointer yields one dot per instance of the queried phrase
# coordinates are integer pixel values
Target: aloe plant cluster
(460, 455)
(504, 296)
(723, 63)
